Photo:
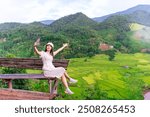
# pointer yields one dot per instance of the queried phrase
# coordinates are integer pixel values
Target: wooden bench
(28, 63)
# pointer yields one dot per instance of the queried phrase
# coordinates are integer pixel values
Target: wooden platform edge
(17, 94)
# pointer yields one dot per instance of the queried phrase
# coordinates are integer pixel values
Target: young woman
(49, 69)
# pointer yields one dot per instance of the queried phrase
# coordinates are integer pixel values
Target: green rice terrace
(125, 78)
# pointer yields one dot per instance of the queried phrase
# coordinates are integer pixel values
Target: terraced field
(124, 78)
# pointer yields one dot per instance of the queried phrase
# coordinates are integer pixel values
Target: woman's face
(48, 48)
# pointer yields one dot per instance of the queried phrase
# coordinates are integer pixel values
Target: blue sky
(26, 11)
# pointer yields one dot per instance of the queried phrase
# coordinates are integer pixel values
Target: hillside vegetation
(138, 14)
(82, 33)
(136, 26)
(141, 33)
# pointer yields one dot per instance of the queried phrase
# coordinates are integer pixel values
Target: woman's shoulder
(42, 53)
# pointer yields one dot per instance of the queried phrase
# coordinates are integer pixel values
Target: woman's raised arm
(60, 49)
(35, 46)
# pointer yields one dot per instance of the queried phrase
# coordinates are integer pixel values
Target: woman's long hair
(51, 52)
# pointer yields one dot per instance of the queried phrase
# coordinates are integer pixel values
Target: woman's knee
(63, 76)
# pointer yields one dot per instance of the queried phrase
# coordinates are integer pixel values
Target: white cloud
(14, 10)
(120, 5)
(36, 10)
(96, 7)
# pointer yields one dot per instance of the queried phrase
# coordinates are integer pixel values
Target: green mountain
(10, 26)
(75, 20)
(138, 14)
(141, 17)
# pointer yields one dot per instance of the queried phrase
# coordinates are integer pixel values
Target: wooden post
(54, 90)
(50, 85)
(10, 84)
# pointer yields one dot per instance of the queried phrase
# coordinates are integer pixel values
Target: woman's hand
(37, 42)
(65, 45)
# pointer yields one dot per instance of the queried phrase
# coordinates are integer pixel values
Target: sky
(26, 11)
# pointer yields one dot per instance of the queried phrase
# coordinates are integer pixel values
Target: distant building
(105, 47)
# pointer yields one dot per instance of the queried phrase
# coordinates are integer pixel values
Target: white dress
(48, 68)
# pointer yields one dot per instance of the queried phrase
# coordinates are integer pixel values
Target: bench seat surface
(23, 76)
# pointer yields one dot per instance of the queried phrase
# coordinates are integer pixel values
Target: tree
(111, 53)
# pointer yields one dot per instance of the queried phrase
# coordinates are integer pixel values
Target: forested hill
(9, 26)
(6, 27)
(82, 33)
(139, 14)
(75, 20)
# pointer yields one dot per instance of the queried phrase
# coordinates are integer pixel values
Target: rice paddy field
(98, 78)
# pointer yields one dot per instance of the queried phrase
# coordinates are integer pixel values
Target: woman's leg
(64, 81)
(69, 78)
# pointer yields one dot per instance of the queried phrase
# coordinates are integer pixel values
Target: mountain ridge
(73, 20)
(128, 11)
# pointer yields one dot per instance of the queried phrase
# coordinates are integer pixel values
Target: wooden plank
(14, 94)
(24, 76)
(32, 63)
